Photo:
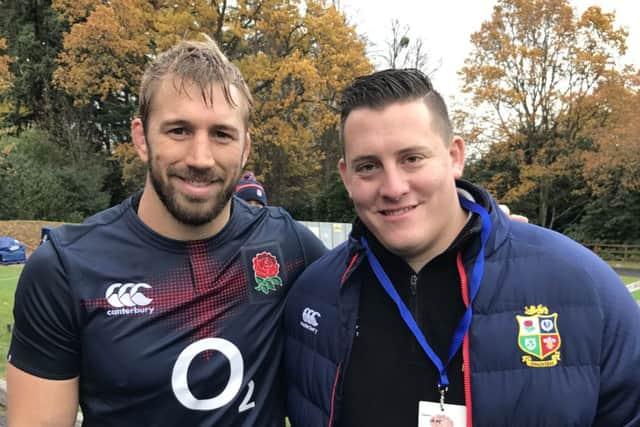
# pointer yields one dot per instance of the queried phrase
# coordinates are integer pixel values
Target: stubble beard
(195, 211)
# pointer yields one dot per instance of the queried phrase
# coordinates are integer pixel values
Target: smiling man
(164, 310)
(440, 308)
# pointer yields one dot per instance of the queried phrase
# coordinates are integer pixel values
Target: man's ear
(342, 168)
(139, 140)
(247, 149)
(456, 152)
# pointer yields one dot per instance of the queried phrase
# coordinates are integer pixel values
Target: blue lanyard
(465, 322)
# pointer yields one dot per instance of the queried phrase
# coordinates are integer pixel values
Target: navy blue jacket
(591, 378)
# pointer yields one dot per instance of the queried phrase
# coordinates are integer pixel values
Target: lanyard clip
(442, 390)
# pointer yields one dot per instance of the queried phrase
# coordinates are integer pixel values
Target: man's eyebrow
(414, 149)
(177, 122)
(404, 151)
(226, 128)
(187, 124)
(365, 158)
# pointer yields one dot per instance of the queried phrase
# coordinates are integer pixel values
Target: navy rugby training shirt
(163, 332)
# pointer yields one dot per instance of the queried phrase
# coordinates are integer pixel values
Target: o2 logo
(180, 384)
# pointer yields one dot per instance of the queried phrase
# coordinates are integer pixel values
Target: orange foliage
(294, 56)
(133, 170)
(74, 11)
(5, 74)
(106, 53)
(534, 65)
(617, 135)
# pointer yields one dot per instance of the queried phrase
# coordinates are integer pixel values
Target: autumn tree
(295, 60)
(5, 60)
(297, 66)
(101, 63)
(612, 169)
(532, 66)
(615, 129)
(5, 84)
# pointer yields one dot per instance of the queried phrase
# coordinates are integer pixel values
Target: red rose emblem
(265, 265)
(528, 323)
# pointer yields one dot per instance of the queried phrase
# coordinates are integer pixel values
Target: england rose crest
(265, 270)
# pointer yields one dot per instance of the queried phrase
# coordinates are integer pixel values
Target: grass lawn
(8, 279)
(627, 280)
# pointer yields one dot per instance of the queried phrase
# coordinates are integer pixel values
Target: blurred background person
(251, 191)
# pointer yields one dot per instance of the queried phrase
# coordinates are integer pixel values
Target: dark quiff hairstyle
(199, 63)
(382, 88)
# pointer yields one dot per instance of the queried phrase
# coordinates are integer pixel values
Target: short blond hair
(200, 63)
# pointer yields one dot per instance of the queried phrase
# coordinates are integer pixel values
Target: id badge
(431, 415)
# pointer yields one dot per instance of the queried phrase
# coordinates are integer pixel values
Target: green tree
(38, 180)
(333, 203)
(34, 37)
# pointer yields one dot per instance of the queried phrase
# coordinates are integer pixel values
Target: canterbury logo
(310, 320)
(309, 316)
(127, 295)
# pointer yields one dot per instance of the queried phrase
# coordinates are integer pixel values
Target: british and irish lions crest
(538, 337)
(265, 270)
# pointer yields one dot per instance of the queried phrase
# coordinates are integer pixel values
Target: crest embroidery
(265, 270)
(538, 336)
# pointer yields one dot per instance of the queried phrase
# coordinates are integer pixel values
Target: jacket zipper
(466, 364)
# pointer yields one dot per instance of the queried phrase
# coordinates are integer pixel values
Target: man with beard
(164, 310)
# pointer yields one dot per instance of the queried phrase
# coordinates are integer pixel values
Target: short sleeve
(45, 340)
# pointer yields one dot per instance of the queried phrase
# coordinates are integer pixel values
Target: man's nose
(394, 184)
(200, 151)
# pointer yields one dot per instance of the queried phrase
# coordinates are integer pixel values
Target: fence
(331, 233)
(615, 252)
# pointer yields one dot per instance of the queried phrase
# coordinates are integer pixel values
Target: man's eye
(413, 160)
(221, 134)
(178, 131)
(365, 167)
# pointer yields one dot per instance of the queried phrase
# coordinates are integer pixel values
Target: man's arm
(619, 402)
(38, 402)
(44, 353)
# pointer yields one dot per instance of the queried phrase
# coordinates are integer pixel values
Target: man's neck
(154, 214)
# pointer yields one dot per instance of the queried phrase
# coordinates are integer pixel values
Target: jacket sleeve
(619, 400)
(312, 246)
